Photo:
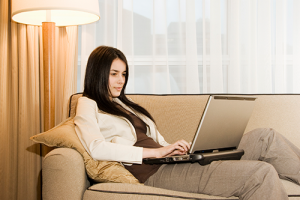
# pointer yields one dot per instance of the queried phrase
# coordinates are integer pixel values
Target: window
(201, 46)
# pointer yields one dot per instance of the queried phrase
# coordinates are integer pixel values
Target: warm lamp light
(62, 12)
(49, 13)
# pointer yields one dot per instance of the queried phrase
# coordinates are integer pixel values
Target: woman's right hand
(180, 147)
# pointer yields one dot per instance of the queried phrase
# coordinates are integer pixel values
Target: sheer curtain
(66, 69)
(201, 46)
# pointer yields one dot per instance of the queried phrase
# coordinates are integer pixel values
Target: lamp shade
(62, 12)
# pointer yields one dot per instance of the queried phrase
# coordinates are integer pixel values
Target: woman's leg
(270, 146)
(249, 180)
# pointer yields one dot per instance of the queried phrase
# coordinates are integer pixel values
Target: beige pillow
(64, 135)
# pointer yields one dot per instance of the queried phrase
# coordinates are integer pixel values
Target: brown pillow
(64, 135)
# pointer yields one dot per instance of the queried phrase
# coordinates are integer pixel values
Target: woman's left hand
(180, 147)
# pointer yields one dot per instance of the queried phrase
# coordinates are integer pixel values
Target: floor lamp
(48, 14)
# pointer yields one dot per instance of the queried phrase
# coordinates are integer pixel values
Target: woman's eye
(124, 74)
(113, 74)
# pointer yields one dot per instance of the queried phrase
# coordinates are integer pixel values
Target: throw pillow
(64, 135)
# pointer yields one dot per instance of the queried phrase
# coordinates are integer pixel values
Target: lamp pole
(55, 13)
(48, 29)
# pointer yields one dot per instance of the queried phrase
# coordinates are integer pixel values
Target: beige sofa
(177, 116)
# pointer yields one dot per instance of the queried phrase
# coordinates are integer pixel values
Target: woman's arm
(89, 133)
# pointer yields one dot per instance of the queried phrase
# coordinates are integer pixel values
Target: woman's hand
(180, 147)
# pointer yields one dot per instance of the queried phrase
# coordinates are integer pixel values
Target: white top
(109, 137)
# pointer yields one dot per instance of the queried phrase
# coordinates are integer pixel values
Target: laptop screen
(223, 123)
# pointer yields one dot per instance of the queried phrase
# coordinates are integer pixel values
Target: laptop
(219, 132)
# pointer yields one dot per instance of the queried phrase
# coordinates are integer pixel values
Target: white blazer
(109, 137)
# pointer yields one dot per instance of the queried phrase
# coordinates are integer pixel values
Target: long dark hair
(96, 80)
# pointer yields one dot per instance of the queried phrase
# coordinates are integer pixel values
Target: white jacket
(109, 137)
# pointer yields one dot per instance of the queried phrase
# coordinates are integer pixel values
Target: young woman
(113, 128)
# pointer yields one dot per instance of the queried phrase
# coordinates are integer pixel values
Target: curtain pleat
(29, 160)
(280, 51)
(127, 46)
(120, 26)
(8, 132)
(216, 68)
(66, 69)
(296, 47)
(154, 44)
(13, 105)
(41, 78)
(70, 76)
(167, 66)
(234, 65)
(263, 51)
(192, 75)
(204, 54)
(88, 44)
(160, 80)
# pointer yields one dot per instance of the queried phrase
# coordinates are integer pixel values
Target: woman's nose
(121, 79)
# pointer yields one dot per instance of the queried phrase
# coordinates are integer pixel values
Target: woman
(113, 128)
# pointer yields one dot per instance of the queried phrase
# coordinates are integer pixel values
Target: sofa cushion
(130, 192)
(291, 188)
(64, 135)
(126, 191)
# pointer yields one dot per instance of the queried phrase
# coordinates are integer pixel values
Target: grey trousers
(248, 178)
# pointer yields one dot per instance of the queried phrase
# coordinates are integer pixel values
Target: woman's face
(116, 77)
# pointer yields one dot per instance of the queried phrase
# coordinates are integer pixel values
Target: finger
(176, 145)
(179, 147)
(177, 152)
(186, 143)
(183, 144)
(170, 149)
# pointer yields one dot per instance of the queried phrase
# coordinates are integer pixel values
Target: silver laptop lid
(223, 122)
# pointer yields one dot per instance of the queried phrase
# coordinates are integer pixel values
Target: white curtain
(65, 69)
(201, 46)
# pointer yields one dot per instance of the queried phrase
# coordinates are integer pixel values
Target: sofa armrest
(63, 175)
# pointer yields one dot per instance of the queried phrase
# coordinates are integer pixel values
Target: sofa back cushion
(278, 111)
(73, 104)
(177, 116)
